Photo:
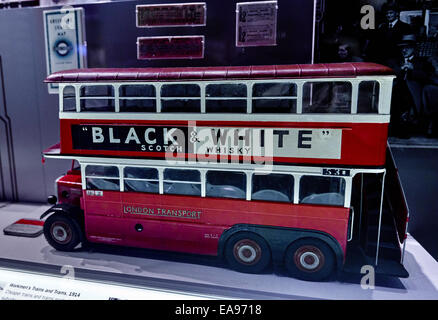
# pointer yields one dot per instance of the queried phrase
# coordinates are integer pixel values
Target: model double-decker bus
(260, 165)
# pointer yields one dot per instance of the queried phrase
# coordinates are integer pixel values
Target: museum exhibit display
(281, 116)
(253, 150)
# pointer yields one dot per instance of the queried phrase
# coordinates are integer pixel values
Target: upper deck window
(226, 98)
(102, 178)
(322, 190)
(180, 98)
(69, 99)
(274, 98)
(97, 98)
(137, 98)
(368, 99)
(327, 97)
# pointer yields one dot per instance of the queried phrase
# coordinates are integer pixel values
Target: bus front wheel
(62, 232)
(310, 259)
(247, 252)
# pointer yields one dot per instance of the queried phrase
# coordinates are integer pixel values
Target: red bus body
(108, 219)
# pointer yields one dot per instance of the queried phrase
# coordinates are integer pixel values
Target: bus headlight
(52, 199)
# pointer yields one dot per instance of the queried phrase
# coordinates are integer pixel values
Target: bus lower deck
(356, 216)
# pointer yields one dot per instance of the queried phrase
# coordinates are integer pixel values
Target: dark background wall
(418, 169)
(29, 115)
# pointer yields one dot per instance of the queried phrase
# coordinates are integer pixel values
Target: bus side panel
(169, 223)
(363, 144)
(191, 224)
(102, 213)
(328, 219)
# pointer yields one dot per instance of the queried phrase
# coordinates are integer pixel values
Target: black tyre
(62, 232)
(310, 259)
(247, 252)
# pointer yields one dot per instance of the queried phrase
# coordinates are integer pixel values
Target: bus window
(368, 99)
(271, 89)
(272, 187)
(180, 98)
(274, 106)
(141, 180)
(322, 190)
(97, 98)
(69, 99)
(327, 97)
(102, 178)
(137, 90)
(137, 98)
(226, 184)
(226, 98)
(182, 181)
(274, 98)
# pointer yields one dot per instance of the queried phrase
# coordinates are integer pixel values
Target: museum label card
(178, 47)
(256, 23)
(171, 15)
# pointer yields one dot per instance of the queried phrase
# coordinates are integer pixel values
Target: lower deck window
(322, 190)
(272, 187)
(103, 184)
(141, 180)
(226, 184)
(102, 178)
(184, 182)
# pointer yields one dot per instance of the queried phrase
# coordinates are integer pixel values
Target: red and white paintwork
(363, 144)
(363, 135)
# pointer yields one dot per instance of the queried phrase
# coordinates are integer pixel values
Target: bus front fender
(62, 208)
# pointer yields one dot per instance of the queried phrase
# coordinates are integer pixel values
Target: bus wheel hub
(247, 251)
(309, 259)
(61, 233)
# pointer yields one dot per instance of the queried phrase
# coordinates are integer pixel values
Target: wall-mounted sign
(64, 40)
(256, 23)
(178, 47)
(171, 15)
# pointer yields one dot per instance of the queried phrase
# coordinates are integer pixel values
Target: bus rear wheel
(310, 259)
(62, 232)
(247, 252)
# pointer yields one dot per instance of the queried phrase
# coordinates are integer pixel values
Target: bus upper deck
(336, 114)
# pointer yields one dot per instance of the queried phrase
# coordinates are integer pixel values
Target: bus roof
(220, 73)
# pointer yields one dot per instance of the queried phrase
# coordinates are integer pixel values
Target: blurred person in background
(430, 101)
(413, 74)
(388, 35)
